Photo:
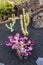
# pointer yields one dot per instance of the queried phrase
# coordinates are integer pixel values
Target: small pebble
(39, 61)
(2, 64)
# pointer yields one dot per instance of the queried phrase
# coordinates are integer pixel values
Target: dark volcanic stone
(10, 58)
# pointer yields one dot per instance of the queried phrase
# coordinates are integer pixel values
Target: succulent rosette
(22, 45)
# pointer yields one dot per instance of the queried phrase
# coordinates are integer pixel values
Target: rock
(38, 20)
(40, 2)
(39, 61)
(2, 64)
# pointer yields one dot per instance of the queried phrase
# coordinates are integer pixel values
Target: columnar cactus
(11, 24)
(21, 23)
(25, 20)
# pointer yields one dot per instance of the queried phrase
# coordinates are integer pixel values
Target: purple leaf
(25, 38)
(11, 40)
(29, 53)
(26, 54)
(32, 43)
(8, 44)
(10, 37)
(16, 38)
(21, 39)
(30, 48)
(17, 35)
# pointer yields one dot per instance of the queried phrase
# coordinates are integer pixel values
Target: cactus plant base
(26, 34)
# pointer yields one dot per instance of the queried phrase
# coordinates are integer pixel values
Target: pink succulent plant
(22, 44)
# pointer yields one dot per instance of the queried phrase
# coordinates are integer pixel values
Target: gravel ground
(10, 58)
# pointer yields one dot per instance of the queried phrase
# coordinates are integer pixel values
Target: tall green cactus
(11, 25)
(21, 23)
(25, 18)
